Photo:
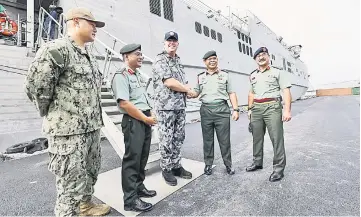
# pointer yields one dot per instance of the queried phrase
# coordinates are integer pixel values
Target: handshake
(191, 93)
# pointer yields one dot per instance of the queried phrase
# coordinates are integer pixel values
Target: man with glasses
(265, 110)
(170, 92)
(215, 87)
(129, 88)
(64, 82)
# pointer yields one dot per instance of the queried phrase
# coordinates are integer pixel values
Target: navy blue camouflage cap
(130, 48)
(209, 54)
(260, 50)
(171, 35)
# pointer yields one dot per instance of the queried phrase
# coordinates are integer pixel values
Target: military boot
(169, 177)
(182, 173)
(92, 209)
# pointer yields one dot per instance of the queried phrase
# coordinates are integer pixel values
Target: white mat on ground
(109, 190)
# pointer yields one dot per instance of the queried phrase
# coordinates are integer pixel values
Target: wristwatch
(237, 109)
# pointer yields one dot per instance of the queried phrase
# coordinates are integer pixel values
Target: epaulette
(276, 67)
(253, 71)
(224, 70)
(200, 73)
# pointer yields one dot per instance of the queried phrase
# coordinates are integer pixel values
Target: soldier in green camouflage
(64, 82)
(265, 111)
(170, 94)
(129, 88)
(214, 87)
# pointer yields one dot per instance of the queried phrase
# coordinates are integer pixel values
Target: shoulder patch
(56, 56)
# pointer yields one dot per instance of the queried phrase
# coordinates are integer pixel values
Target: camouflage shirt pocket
(82, 77)
(62, 145)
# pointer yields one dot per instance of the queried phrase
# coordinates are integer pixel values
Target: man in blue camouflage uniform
(170, 92)
(64, 82)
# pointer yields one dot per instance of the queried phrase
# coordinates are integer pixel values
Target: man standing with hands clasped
(64, 82)
(214, 88)
(265, 110)
(129, 88)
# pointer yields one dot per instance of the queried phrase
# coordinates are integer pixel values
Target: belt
(214, 103)
(146, 112)
(265, 100)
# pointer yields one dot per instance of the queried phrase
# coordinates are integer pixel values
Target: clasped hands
(191, 93)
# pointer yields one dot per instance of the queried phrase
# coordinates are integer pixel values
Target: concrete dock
(322, 175)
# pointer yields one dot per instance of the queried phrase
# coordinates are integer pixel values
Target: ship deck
(321, 177)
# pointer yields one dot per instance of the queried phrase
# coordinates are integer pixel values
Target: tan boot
(92, 209)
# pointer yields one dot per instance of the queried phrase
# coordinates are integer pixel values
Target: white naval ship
(200, 29)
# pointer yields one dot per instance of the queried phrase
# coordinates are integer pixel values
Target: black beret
(260, 50)
(170, 35)
(130, 48)
(209, 54)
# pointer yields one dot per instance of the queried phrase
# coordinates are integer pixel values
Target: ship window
(246, 38)
(250, 51)
(247, 49)
(242, 36)
(250, 40)
(239, 34)
(284, 64)
(168, 9)
(198, 27)
(206, 31)
(244, 48)
(219, 36)
(155, 7)
(213, 34)
(240, 47)
(271, 62)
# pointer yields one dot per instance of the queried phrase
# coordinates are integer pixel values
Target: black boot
(139, 206)
(169, 178)
(230, 170)
(182, 173)
(253, 167)
(147, 193)
(208, 170)
(276, 177)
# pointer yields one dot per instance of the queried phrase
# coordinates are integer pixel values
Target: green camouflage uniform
(64, 82)
(170, 109)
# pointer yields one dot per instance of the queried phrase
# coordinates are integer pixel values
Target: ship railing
(113, 44)
(208, 11)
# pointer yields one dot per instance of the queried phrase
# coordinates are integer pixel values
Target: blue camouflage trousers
(75, 162)
(171, 129)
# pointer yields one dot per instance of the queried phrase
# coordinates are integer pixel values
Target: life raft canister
(12, 27)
